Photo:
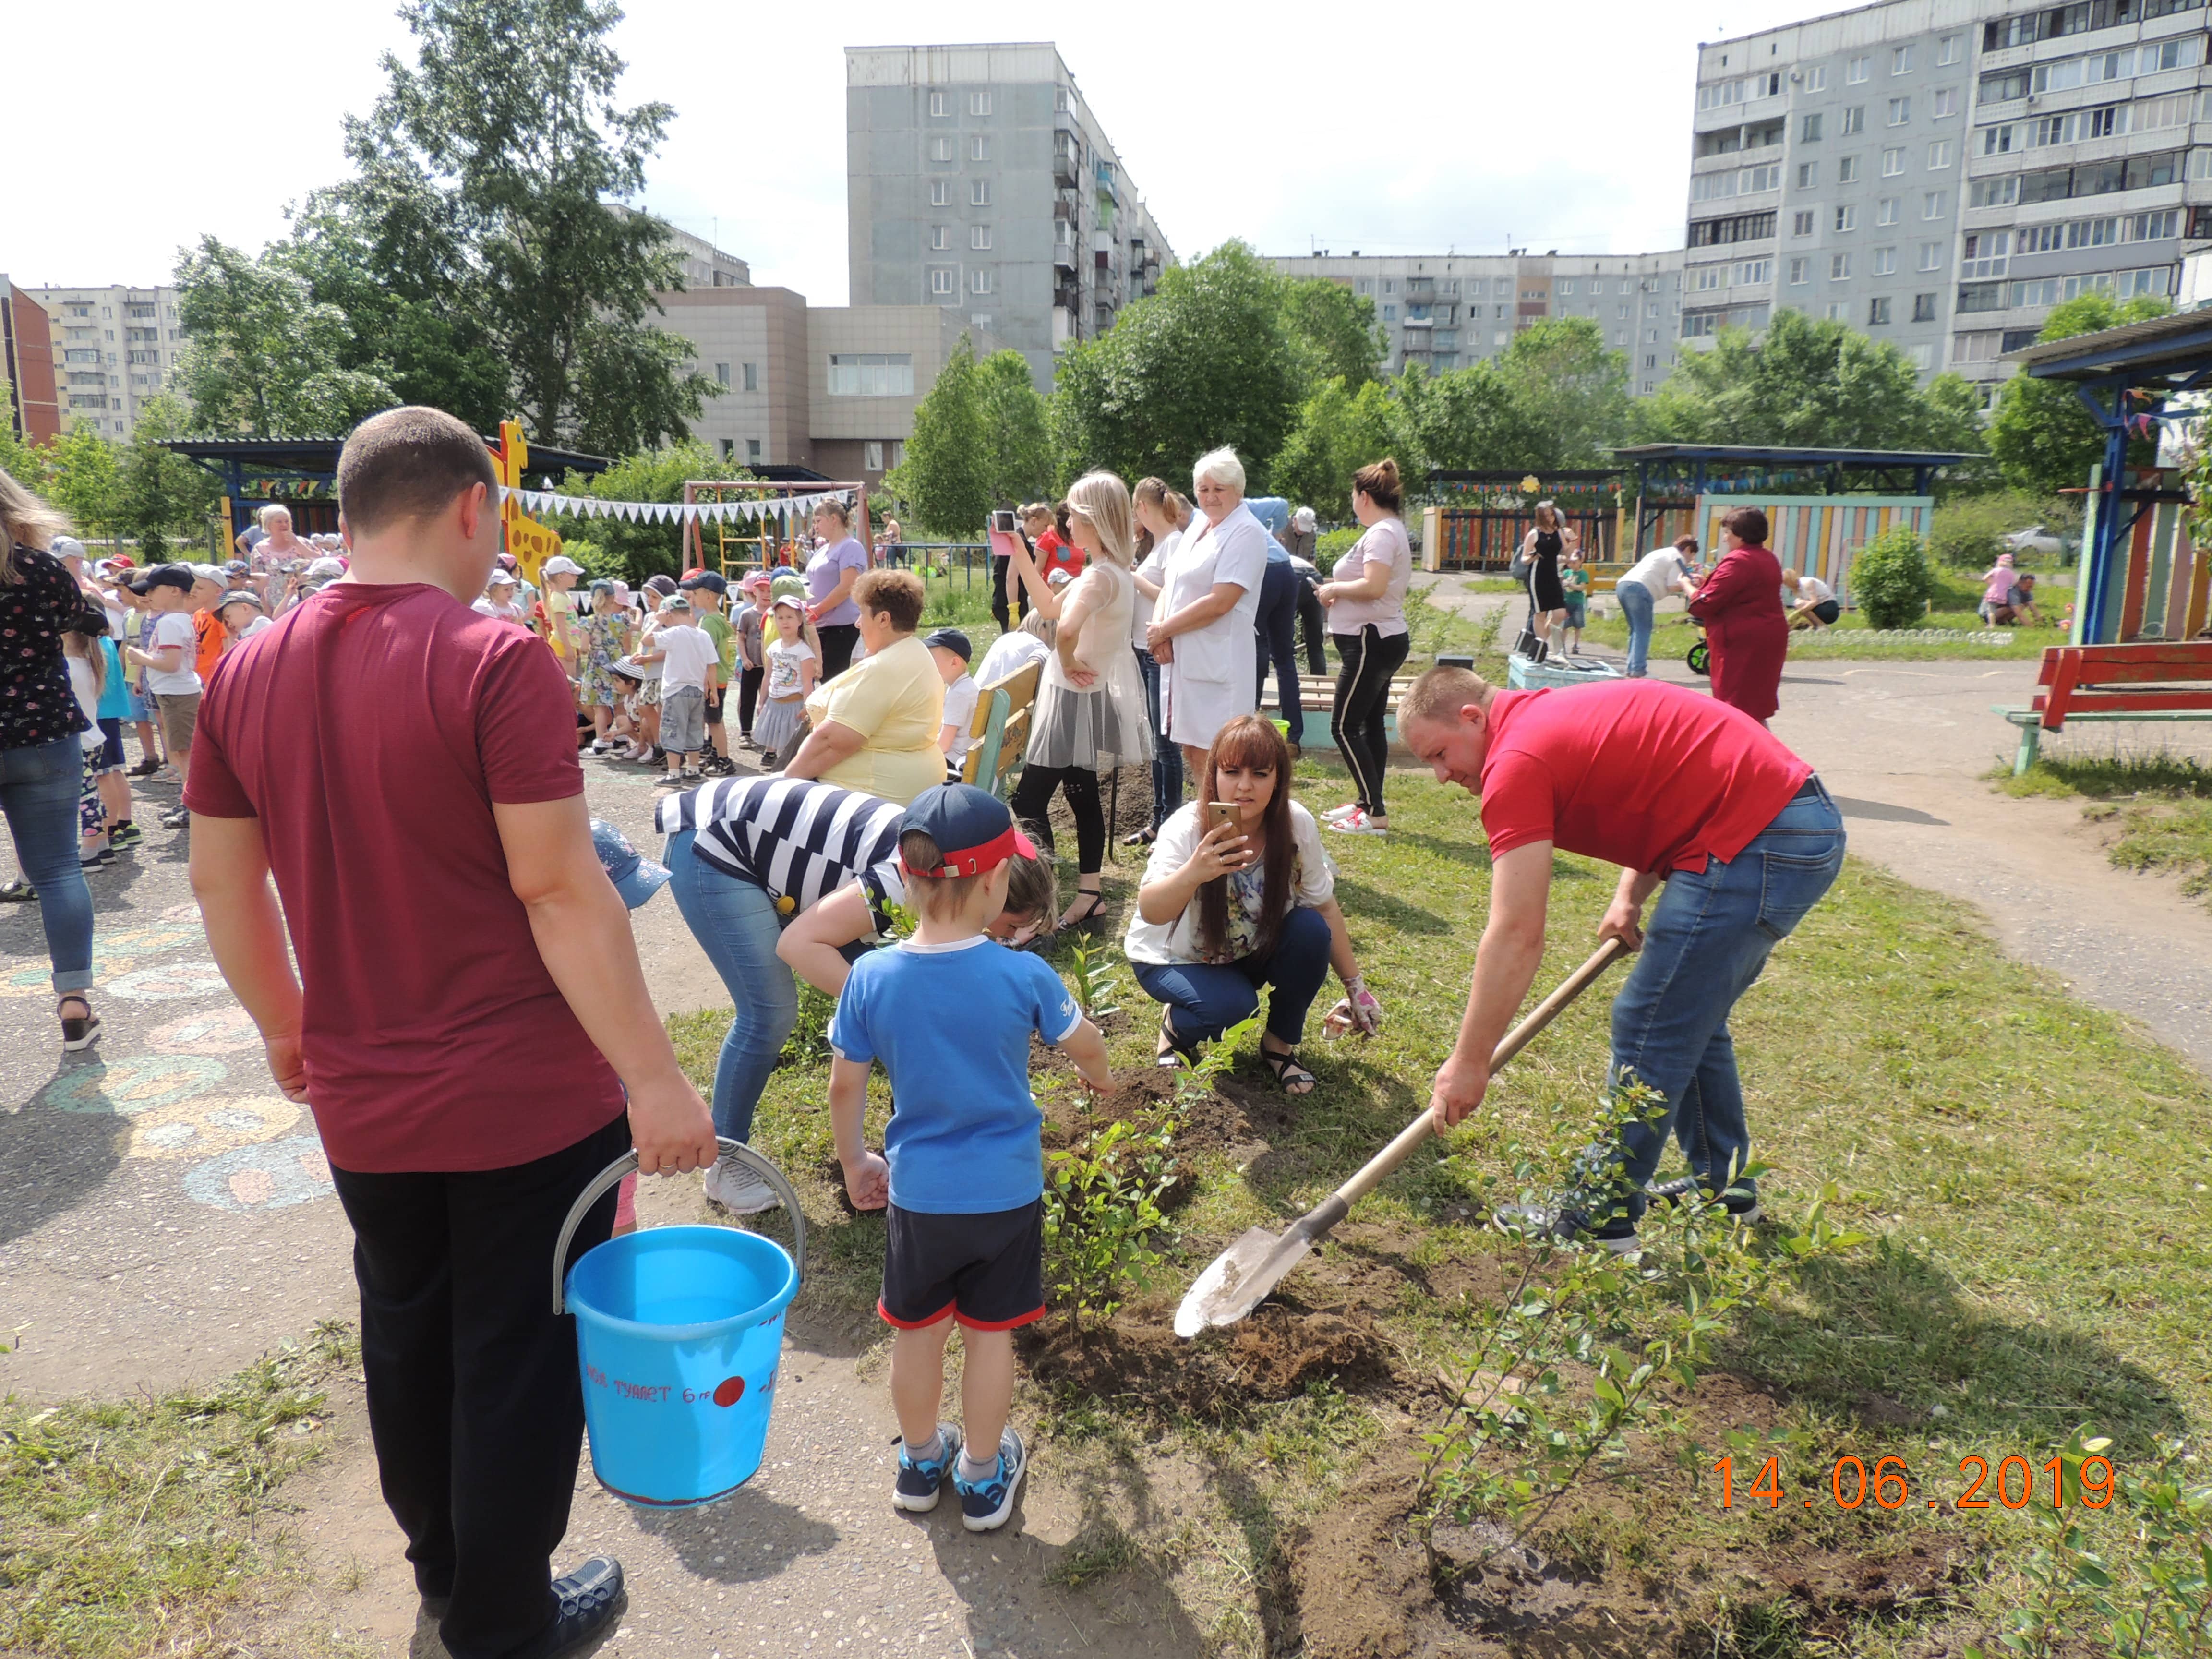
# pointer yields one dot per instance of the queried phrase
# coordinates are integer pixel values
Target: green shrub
(1332, 544)
(1890, 580)
(1968, 532)
(1101, 1216)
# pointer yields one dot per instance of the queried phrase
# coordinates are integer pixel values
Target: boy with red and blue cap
(950, 1012)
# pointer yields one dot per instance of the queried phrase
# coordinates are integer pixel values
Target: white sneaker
(738, 1190)
(1337, 814)
(1358, 823)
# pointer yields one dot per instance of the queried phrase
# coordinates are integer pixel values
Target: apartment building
(26, 363)
(1446, 312)
(114, 347)
(978, 180)
(1939, 173)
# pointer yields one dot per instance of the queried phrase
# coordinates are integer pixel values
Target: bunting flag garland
(542, 503)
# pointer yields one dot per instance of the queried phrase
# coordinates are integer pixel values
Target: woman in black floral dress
(41, 761)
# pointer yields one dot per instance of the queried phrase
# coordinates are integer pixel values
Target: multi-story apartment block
(1939, 173)
(1447, 311)
(27, 362)
(115, 348)
(978, 180)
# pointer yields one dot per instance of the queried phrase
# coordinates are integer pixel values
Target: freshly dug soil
(1272, 1354)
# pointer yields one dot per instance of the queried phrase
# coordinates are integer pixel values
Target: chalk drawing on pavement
(204, 1125)
(269, 1177)
(212, 1031)
(171, 982)
(134, 1084)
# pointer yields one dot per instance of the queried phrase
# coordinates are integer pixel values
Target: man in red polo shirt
(1675, 788)
(468, 1014)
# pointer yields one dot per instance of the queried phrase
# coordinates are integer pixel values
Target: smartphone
(1215, 813)
(1006, 537)
(1003, 520)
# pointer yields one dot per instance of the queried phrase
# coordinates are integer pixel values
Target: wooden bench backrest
(1001, 730)
(2152, 660)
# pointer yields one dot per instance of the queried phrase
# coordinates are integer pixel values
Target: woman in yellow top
(876, 725)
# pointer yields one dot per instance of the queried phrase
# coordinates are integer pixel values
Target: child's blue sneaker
(985, 1504)
(920, 1479)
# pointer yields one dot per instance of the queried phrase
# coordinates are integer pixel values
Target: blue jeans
(1275, 628)
(1204, 1000)
(38, 795)
(1636, 605)
(1709, 937)
(1167, 758)
(736, 924)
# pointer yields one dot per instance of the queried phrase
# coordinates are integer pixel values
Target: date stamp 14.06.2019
(1890, 1483)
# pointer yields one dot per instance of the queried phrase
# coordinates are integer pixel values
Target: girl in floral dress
(603, 636)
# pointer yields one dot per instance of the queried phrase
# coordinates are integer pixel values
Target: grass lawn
(2162, 807)
(1977, 1121)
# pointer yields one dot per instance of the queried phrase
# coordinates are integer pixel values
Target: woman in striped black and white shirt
(748, 855)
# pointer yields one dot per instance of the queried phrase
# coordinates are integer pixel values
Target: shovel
(1241, 1276)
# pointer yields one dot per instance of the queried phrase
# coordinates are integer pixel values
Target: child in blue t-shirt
(949, 1013)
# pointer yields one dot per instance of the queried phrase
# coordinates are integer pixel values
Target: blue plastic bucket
(679, 1334)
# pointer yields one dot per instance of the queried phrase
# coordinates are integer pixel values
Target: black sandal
(1172, 1053)
(17, 892)
(1139, 838)
(77, 1035)
(1090, 919)
(1290, 1078)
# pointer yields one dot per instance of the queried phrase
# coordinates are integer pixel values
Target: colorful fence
(2159, 589)
(1481, 539)
(1819, 535)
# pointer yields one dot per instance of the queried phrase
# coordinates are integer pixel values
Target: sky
(1424, 129)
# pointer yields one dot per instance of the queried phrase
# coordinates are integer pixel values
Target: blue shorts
(110, 752)
(142, 706)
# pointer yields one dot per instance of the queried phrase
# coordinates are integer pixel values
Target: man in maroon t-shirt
(468, 1013)
(1675, 788)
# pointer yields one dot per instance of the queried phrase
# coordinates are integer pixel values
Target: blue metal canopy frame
(2122, 374)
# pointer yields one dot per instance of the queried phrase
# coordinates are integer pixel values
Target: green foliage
(1017, 428)
(1967, 531)
(1334, 331)
(25, 464)
(1575, 1354)
(1207, 360)
(1091, 977)
(2042, 437)
(161, 495)
(1101, 1215)
(809, 1042)
(1339, 432)
(1890, 580)
(635, 552)
(263, 358)
(1465, 418)
(1332, 544)
(1569, 395)
(946, 478)
(84, 480)
(1817, 384)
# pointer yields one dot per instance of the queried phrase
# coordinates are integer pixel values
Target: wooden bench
(998, 738)
(1317, 692)
(2157, 682)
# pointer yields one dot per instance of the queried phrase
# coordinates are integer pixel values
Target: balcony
(1106, 185)
(1063, 246)
(1067, 162)
(1063, 326)
(1067, 294)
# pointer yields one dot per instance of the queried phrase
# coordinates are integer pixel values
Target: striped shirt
(796, 839)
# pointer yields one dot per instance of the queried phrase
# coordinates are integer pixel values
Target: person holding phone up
(1239, 893)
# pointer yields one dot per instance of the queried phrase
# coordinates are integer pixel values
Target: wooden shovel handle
(1372, 1173)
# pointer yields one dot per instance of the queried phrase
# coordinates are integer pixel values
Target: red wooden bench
(2156, 681)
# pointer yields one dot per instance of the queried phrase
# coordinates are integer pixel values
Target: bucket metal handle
(733, 1152)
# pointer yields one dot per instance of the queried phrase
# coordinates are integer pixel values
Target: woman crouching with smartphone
(1239, 893)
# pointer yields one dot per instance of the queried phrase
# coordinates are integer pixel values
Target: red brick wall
(27, 339)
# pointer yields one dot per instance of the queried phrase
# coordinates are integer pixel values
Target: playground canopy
(2143, 577)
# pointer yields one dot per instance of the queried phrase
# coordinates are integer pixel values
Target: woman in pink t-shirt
(1366, 601)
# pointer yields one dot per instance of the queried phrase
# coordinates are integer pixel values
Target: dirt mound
(1273, 1354)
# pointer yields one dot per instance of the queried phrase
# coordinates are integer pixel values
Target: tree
(1206, 362)
(488, 174)
(1334, 331)
(945, 479)
(161, 493)
(1339, 432)
(1890, 580)
(262, 358)
(82, 480)
(634, 550)
(1016, 428)
(2042, 437)
(26, 464)
(1463, 419)
(1569, 393)
(1816, 385)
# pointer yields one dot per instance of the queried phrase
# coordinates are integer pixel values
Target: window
(1981, 296)
(1366, 286)
(1801, 271)
(1808, 176)
(1802, 224)
(1847, 218)
(1060, 101)
(1944, 102)
(1808, 129)
(2044, 293)
(721, 375)
(1816, 79)
(1878, 311)
(1994, 192)
(1567, 287)
(1837, 311)
(979, 192)
(1847, 170)
(1998, 141)
(1931, 256)
(729, 447)
(941, 149)
(1714, 233)
(1924, 308)
(872, 374)
(1900, 59)
(752, 449)
(1932, 205)
(940, 280)
(1856, 70)
(1839, 267)
(979, 282)
(1755, 270)
(1900, 111)
(1766, 178)
(1389, 313)
(940, 237)
(939, 104)
(1892, 162)
(1949, 50)
(872, 458)
(1939, 155)
(752, 377)
(84, 356)
(1885, 262)
(1985, 253)
(979, 237)
(1621, 312)
(1389, 285)
(979, 148)
(940, 192)
(979, 103)
(1854, 120)
(1885, 210)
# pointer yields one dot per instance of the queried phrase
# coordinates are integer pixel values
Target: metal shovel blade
(1239, 1278)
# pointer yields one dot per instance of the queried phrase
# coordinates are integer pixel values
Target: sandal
(1173, 1052)
(1139, 838)
(77, 1035)
(1290, 1078)
(16, 892)
(1090, 919)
